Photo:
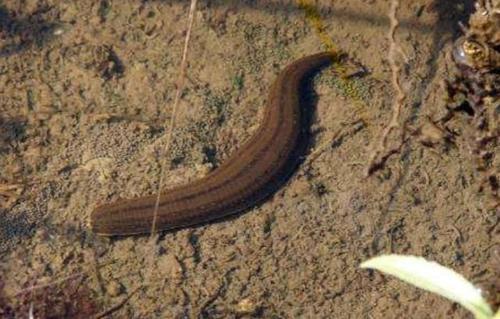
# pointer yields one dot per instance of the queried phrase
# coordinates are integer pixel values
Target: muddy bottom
(85, 92)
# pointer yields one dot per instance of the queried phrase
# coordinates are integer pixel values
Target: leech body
(246, 178)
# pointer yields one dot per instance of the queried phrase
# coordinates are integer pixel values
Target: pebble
(114, 288)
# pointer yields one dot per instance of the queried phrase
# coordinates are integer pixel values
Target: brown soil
(85, 87)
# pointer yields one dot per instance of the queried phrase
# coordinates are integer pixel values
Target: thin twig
(180, 87)
(382, 153)
(168, 136)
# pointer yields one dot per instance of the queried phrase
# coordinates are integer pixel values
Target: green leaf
(433, 277)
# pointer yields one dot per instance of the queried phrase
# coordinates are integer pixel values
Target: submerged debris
(475, 88)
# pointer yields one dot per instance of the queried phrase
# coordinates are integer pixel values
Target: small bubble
(58, 31)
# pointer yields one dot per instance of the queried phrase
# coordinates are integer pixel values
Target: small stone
(431, 134)
(115, 288)
(170, 266)
(246, 307)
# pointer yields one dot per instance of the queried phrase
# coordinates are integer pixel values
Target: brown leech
(246, 178)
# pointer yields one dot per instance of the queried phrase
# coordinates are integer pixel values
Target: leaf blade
(433, 277)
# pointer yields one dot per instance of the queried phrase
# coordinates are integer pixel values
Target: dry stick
(180, 87)
(381, 154)
(376, 159)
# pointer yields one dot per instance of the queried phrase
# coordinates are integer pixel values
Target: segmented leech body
(246, 178)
